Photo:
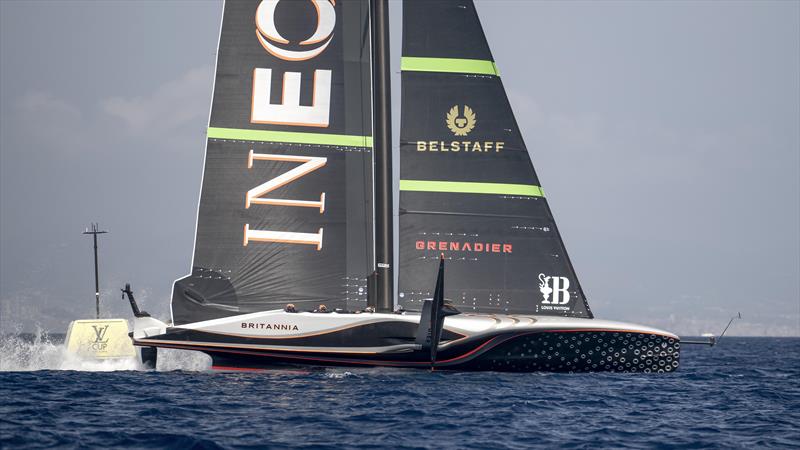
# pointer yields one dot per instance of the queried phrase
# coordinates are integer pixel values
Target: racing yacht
(293, 261)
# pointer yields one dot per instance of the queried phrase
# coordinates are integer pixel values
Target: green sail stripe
(527, 190)
(290, 137)
(451, 65)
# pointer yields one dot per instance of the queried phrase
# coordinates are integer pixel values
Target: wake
(38, 351)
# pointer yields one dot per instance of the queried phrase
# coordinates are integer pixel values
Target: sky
(666, 135)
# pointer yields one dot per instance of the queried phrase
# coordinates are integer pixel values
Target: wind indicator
(94, 232)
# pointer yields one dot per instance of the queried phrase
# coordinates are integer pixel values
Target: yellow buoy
(100, 338)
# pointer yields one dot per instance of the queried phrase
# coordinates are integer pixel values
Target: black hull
(567, 351)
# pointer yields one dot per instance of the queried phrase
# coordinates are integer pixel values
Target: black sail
(285, 213)
(468, 186)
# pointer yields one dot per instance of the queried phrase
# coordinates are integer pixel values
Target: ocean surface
(743, 393)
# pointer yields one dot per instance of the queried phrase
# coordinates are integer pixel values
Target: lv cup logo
(99, 342)
(557, 286)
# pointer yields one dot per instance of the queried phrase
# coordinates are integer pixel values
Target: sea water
(743, 393)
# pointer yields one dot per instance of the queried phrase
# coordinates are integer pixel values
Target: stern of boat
(144, 327)
(554, 344)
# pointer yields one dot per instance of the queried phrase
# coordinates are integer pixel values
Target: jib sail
(468, 186)
(285, 211)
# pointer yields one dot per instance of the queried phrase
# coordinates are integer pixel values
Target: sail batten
(468, 187)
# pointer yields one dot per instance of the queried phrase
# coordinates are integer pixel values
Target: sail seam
(449, 65)
(289, 137)
(463, 187)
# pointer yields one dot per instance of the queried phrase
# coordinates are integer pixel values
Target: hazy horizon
(666, 135)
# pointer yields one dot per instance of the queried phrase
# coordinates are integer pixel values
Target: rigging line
(366, 118)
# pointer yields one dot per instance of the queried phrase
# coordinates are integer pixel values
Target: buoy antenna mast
(94, 232)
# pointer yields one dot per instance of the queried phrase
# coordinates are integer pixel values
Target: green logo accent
(449, 65)
(289, 137)
(462, 187)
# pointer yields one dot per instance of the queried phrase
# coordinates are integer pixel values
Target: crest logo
(268, 34)
(461, 125)
(559, 289)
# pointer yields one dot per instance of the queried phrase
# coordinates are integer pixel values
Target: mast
(95, 231)
(382, 148)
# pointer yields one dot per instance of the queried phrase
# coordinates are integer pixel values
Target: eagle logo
(461, 126)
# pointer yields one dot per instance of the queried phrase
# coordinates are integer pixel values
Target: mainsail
(468, 186)
(285, 212)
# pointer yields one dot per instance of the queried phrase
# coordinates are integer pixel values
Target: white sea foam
(171, 359)
(20, 353)
(337, 375)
